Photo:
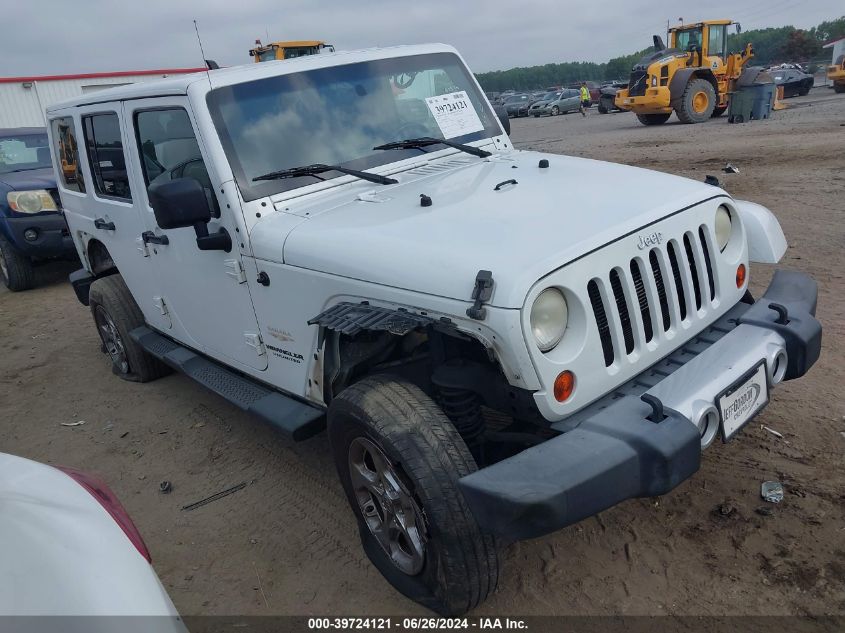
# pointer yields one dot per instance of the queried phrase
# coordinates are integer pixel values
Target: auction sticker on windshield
(743, 401)
(454, 114)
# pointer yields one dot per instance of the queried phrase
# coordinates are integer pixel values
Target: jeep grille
(648, 295)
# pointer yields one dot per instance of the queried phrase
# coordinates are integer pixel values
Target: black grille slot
(54, 194)
(637, 277)
(679, 286)
(696, 289)
(601, 322)
(654, 260)
(622, 306)
(637, 83)
(707, 262)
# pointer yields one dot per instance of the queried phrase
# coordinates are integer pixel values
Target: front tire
(653, 119)
(555, 111)
(115, 315)
(15, 269)
(697, 102)
(399, 459)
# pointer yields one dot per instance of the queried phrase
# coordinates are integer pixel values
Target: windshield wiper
(425, 141)
(318, 168)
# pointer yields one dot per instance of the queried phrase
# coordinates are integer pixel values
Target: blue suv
(32, 227)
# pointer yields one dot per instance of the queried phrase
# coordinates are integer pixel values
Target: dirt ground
(286, 544)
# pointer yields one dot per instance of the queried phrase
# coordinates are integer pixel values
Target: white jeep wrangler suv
(350, 241)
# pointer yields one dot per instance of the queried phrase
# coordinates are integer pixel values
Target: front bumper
(620, 447)
(52, 237)
(656, 100)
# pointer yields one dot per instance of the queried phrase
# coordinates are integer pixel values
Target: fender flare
(682, 77)
(766, 241)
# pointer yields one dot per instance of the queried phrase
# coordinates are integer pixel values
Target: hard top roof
(237, 74)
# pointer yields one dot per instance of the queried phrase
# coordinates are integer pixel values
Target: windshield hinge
(159, 303)
(235, 270)
(253, 339)
(142, 247)
(481, 292)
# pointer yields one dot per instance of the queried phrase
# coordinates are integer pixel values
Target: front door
(204, 293)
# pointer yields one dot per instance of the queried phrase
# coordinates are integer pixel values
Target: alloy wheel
(391, 513)
(111, 338)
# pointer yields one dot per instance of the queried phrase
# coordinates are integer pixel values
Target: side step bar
(295, 418)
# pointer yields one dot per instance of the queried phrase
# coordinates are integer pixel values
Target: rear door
(98, 196)
(204, 292)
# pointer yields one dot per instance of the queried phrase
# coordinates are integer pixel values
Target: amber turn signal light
(564, 385)
(740, 275)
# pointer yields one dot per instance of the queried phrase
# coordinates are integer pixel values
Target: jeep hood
(520, 232)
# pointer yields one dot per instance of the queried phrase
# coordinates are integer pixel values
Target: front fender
(766, 242)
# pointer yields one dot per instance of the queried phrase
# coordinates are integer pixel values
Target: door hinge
(235, 270)
(253, 339)
(142, 247)
(159, 303)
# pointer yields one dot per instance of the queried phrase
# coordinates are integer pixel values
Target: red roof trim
(121, 73)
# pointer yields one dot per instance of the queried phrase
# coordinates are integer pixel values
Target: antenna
(202, 53)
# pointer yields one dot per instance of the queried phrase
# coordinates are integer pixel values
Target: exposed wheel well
(456, 370)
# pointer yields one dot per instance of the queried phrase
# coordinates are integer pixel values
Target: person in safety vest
(585, 98)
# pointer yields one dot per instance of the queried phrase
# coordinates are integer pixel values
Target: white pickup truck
(350, 241)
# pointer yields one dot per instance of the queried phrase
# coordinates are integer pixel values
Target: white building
(23, 99)
(838, 47)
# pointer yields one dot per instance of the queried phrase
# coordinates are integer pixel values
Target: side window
(169, 150)
(716, 40)
(105, 155)
(67, 154)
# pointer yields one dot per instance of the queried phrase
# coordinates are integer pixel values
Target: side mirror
(181, 203)
(504, 119)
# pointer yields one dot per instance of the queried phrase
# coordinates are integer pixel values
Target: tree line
(771, 46)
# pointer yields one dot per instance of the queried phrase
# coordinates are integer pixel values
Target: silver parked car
(558, 102)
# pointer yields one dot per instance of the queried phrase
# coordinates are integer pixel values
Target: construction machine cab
(288, 50)
(693, 77)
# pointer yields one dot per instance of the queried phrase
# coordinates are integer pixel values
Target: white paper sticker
(454, 114)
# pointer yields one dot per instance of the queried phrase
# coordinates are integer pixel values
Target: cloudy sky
(72, 36)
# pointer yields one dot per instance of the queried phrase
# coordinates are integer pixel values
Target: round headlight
(548, 318)
(723, 227)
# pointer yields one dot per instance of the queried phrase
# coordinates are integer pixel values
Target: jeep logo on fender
(652, 239)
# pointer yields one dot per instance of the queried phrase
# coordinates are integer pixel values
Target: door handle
(151, 238)
(100, 223)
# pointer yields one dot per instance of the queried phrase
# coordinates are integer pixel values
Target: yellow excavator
(288, 50)
(693, 77)
(836, 74)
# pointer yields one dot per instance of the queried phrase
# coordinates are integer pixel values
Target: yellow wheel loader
(288, 50)
(836, 74)
(693, 77)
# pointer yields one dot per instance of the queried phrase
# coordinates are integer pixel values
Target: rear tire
(839, 88)
(15, 269)
(653, 119)
(115, 315)
(697, 102)
(399, 459)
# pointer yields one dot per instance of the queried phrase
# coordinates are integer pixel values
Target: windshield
(687, 40)
(23, 152)
(337, 115)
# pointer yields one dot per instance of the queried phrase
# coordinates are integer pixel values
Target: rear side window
(67, 154)
(105, 155)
